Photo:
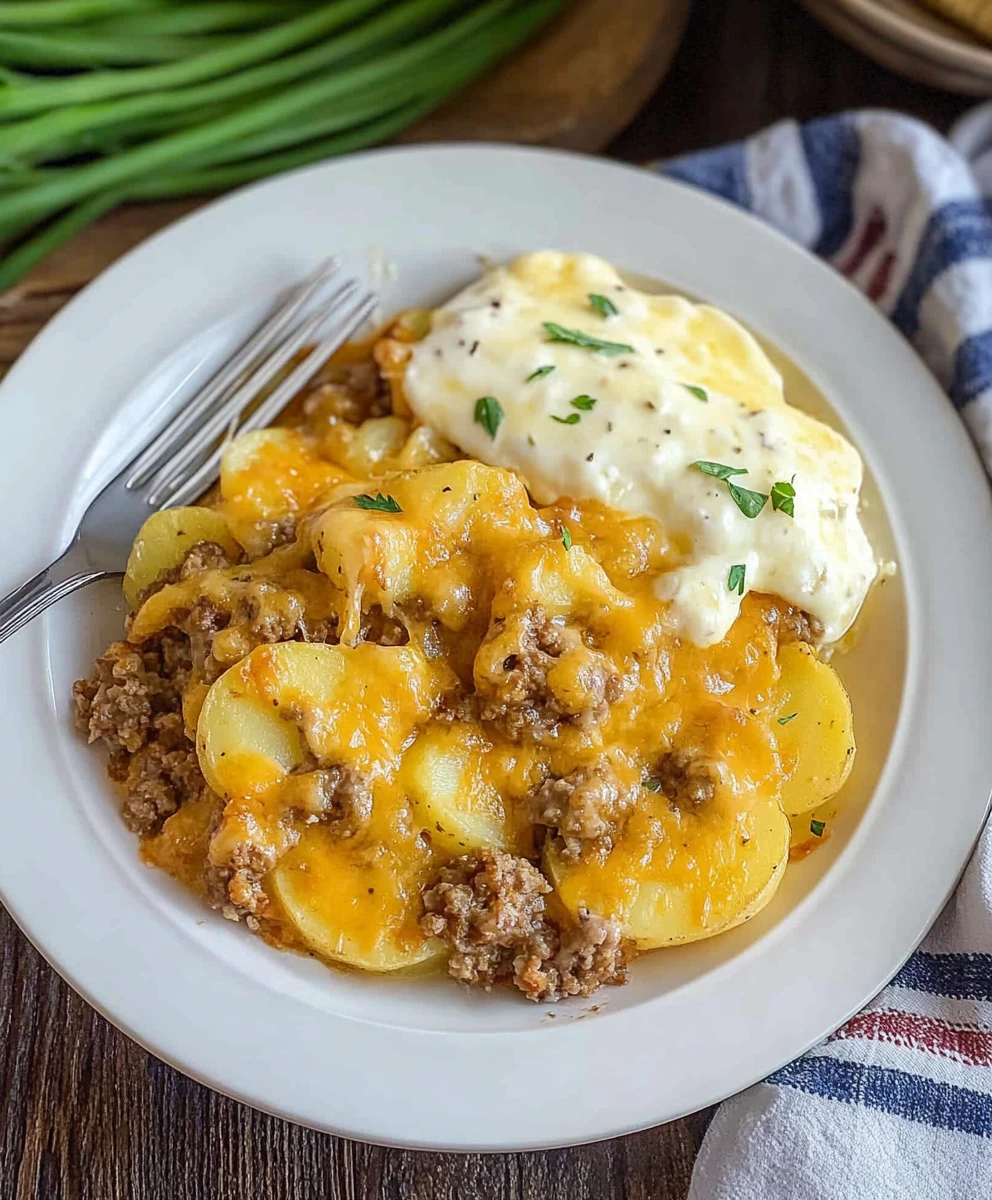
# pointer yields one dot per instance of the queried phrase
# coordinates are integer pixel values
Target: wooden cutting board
(576, 85)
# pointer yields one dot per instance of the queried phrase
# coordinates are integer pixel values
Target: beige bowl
(907, 38)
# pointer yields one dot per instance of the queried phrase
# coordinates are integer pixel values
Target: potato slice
(355, 904)
(453, 799)
(435, 546)
(164, 541)
(686, 867)
(702, 877)
(814, 728)
(351, 706)
(270, 473)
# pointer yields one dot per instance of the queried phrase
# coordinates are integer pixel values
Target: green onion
(227, 91)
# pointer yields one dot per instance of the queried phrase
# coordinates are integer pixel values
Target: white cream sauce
(635, 449)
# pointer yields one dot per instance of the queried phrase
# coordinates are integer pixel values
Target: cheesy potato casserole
(504, 652)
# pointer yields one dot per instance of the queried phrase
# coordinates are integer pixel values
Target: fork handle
(25, 603)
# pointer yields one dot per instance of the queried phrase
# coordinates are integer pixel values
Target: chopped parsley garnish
(750, 503)
(603, 305)
(786, 720)
(571, 419)
(783, 498)
(586, 403)
(817, 827)
(540, 372)
(377, 503)
(653, 785)
(718, 470)
(566, 537)
(735, 580)
(575, 337)
(489, 414)
(698, 392)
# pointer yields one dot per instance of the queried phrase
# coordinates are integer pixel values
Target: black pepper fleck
(446, 489)
(589, 457)
(651, 405)
(475, 346)
(609, 426)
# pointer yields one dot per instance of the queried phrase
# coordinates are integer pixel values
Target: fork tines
(181, 462)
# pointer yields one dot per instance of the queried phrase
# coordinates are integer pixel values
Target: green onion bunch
(105, 101)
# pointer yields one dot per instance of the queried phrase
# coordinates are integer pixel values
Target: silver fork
(182, 458)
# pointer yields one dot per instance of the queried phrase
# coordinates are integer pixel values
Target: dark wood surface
(84, 1112)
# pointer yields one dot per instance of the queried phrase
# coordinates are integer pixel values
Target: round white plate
(422, 1062)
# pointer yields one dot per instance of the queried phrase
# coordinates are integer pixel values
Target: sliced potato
(453, 799)
(701, 877)
(698, 861)
(814, 728)
(436, 545)
(270, 473)
(355, 904)
(368, 449)
(164, 541)
(353, 706)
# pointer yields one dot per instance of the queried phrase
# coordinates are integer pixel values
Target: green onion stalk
(225, 92)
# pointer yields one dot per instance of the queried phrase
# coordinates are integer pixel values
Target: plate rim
(81, 313)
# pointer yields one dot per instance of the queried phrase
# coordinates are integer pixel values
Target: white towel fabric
(897, 1105)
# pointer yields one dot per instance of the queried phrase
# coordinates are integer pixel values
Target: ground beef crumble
(794, 624)
(345, 392)
(339, 796)
(133, 703)
(686, 779)
(520, 701)
(489, 907)
(587, 807)
(201, 557)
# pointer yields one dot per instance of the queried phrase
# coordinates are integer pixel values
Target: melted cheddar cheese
(414, 665)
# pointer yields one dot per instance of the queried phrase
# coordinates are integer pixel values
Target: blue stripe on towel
(913, 1097)
(720, 171)
(972, 376)
(963, 976)
(956, 232)
(833, 155)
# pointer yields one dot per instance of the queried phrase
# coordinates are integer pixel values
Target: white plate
(421, 1062)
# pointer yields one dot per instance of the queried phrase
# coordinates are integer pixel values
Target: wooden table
(85, 1112)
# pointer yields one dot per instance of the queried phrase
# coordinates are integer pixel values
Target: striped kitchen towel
(897, 1104)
